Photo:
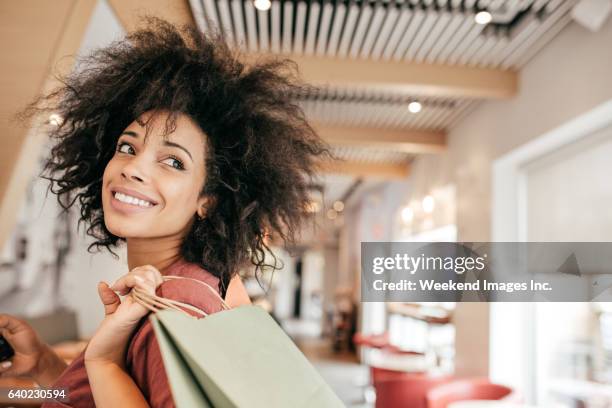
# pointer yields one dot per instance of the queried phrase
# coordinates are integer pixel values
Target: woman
(172, 145)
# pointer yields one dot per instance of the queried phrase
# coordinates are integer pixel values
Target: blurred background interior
(460, 120)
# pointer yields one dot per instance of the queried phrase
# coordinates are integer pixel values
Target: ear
(204, 203)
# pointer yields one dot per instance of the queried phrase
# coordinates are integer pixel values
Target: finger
(9, 323)
(122, 285)
(126, 283)
(6, 367)
(150, 272)
(154, 276)
(150, 278)
(110, 299)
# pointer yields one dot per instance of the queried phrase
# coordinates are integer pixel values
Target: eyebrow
(172, 144)
(166, 142)
(129, 133)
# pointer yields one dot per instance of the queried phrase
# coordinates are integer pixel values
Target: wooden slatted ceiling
(438, 32)
(422, 31)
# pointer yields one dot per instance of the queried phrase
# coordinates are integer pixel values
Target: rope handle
(156, 303)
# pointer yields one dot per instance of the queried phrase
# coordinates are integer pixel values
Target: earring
(201, 217)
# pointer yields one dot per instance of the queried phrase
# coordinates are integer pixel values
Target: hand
(109, 343)
(33, 358)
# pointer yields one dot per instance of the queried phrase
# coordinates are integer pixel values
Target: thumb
(7, 370)
(109, 298)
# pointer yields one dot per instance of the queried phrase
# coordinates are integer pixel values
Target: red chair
(467, 389)
(378, 374)
(371, 340)
(396, 389)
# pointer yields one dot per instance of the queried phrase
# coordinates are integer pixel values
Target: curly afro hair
(261, 151)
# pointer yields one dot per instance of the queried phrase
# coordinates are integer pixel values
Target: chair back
(396, 389)
(465, 389)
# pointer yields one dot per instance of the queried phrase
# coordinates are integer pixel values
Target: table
(488, 404)
(582, 389)
(399, 362)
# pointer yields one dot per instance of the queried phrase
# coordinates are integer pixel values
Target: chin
(122, 229)
(118, 232)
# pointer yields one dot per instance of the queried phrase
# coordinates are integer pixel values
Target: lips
(132, 200)
(126, 198)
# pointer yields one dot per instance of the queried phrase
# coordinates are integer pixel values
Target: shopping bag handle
(156, 303)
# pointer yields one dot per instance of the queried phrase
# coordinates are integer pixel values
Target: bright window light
(428, 204)
(407, 214)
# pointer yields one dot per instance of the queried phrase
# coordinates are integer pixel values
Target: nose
(134, 170)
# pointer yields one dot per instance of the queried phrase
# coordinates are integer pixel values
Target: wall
(569, 192)
(576, 179)
(38, 39)
(570, 76)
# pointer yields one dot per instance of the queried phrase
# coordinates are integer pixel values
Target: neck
(158, 252)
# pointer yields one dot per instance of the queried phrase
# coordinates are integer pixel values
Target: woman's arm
(111, 385)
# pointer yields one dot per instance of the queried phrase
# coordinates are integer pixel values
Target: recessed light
(415, 107)
(338, 205)
(483, 17)
(262, 5)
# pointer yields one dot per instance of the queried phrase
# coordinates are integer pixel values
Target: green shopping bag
(236, 358)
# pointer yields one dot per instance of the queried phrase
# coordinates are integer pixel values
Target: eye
(174, 163)
(124, 147)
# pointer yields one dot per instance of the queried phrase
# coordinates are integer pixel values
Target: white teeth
(124, 198)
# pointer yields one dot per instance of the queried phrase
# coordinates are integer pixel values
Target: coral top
(144, 361)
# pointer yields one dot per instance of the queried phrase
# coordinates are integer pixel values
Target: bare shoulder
(236, 293)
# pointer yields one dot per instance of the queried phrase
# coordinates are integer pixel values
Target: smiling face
(151, 186)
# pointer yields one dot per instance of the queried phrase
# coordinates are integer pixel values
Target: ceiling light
(55, 119)
(332, 214)
(415, 107)
(428, 204)
(407, 214)
(483, 17)
(338, 205)
(262, 5)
